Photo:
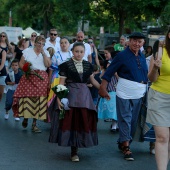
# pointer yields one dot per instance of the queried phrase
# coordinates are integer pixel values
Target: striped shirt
(112, 84)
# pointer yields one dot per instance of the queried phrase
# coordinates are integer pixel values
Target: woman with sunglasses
(4, 43)
(94, 54)
(31, 42)
(30, 97)
(6, 50)
(3, 71)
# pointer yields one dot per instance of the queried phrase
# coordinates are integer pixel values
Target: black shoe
(112, 130)
(127, 153)
(107, 120)
(117, 129)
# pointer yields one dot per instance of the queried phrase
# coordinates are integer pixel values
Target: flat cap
(137, 35)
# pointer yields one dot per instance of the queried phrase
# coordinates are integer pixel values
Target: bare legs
(162, 147)
(1, 91)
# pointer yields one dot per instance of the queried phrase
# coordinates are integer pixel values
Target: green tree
(126, 12)
(114, 15)
(165, 15)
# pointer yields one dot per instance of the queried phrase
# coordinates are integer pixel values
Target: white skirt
(158, 112)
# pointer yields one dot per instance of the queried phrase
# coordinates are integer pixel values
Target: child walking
(93, 90)
(12, 81)
(107, 108)
(58, 57)
(78, 129)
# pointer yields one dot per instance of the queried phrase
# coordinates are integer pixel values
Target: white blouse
(37, 61)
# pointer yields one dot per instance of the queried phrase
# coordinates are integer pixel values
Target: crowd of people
(111, 89)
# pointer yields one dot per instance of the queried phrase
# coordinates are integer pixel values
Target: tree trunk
(122, 17)
(45, 24)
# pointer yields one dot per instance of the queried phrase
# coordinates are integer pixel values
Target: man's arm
(103, 90)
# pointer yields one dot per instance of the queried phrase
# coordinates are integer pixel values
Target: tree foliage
(114, 15)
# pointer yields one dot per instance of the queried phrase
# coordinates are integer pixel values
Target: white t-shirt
(37, 61)
(87, 50)
(49, 44)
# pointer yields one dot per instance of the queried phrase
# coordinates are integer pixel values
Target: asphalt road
(20, 149)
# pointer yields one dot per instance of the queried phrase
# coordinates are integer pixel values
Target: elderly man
(130, 65)
(87, 54)
(52, 40)
(121, 45)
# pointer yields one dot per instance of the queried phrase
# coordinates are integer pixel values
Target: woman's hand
(157, 64)
(60, 105)
(42, 52)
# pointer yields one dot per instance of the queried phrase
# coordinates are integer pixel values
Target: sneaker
(35, 129)
(112, 128)
(127, 153)
(17, 119)
(6, 116)
(152, 151)
(75, 158)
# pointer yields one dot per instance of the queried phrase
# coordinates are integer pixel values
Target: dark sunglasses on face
(33, 35)
(3, 36)
(90, 42)
(53, 34)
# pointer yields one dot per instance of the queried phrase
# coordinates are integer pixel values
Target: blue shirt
(17, 77)
(128, 66)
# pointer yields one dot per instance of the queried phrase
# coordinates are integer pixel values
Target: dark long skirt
(79, 126)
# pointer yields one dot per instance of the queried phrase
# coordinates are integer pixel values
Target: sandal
(35, 129)
(127, 153)
(24, 123)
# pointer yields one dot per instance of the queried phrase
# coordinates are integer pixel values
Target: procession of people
(50, 79)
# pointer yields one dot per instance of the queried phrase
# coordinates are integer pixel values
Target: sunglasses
(53, 34)
(33, 35)
(39, 43)
(3, 36)
(90, 42)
